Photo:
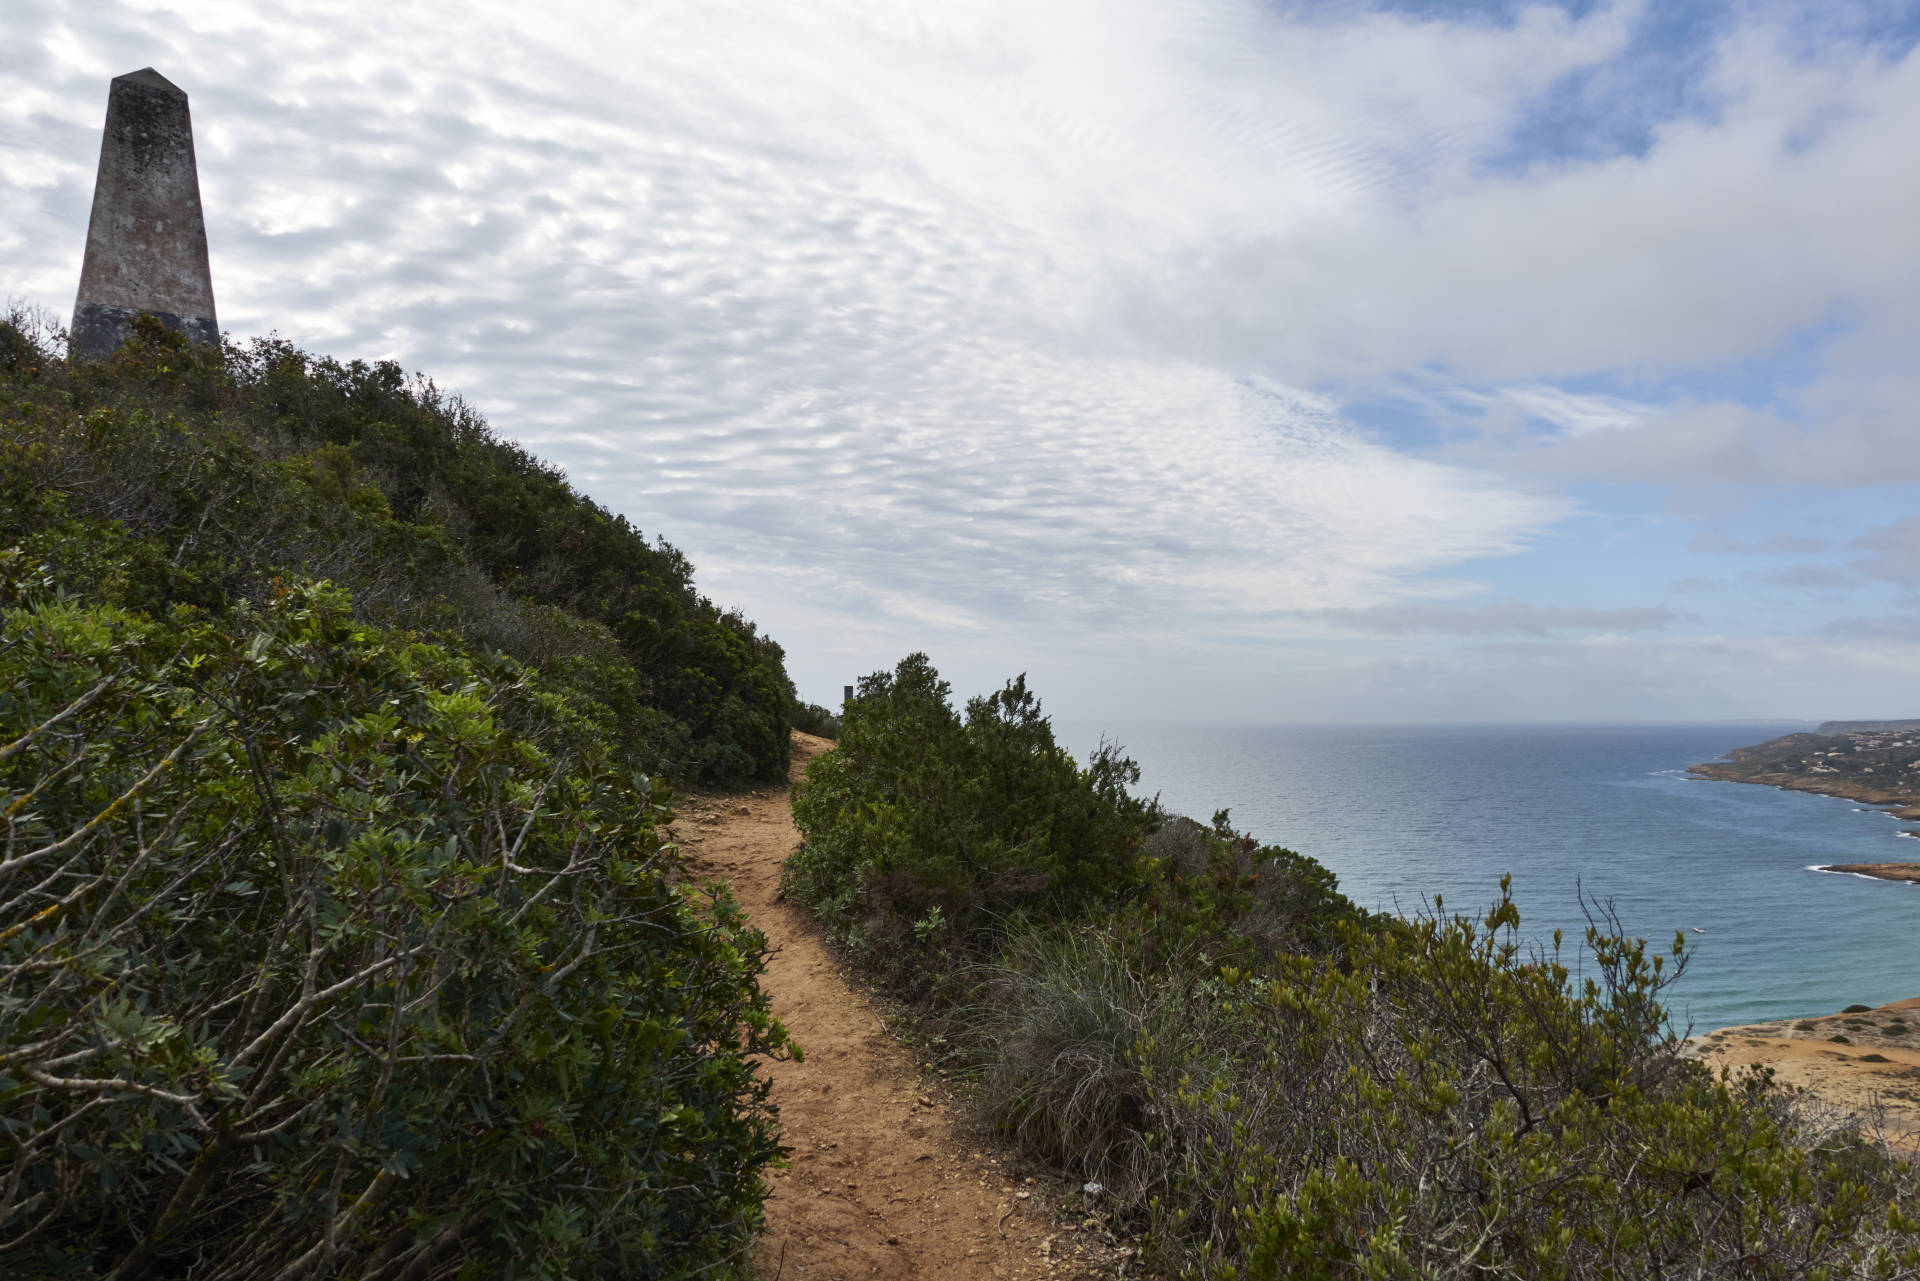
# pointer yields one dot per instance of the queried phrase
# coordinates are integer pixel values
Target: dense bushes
(325, 951)
(932, 837)
(811, 718)
(182, 474)
(1449, 1105)
(1270, 1083)
(925, 831)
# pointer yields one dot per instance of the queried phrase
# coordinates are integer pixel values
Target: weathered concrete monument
(147, 239)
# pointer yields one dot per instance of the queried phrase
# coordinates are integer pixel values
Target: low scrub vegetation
(331, 952)
(177, 474)
(1269, 1082)
(811, 718)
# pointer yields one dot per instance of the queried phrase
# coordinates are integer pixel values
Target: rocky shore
(1862, 1062)
(1900, 803)
(1909, 872)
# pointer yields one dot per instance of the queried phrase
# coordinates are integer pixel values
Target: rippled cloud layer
(1013, 328)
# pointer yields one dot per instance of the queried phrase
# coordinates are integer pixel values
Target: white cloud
(1728, 236)
(828, 284)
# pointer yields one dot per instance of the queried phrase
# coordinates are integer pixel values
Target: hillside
(1206, 1044)
(188, 476)
(340, 935)
(344, 932)
(1873, 766)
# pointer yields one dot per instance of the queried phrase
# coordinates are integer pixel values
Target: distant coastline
(1874, 762)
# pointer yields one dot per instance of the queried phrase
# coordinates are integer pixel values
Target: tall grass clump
(1067, 1015)
(1270, 1083)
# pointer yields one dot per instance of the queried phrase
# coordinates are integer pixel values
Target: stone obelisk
(147, 239)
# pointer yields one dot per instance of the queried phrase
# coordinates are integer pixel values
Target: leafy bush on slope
(926, 832)
(325, 951)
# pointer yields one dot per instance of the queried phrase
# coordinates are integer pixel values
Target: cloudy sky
(1207, 359)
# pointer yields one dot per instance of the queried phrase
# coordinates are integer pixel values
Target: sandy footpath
(1877, 1065)
(883, 1182)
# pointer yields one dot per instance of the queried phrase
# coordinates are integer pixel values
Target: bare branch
(68, 712)
(100, 820)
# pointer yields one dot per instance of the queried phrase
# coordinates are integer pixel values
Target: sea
(1405, 814)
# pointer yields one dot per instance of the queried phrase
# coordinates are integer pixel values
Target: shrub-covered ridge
(1269, 1083)
(183, 474)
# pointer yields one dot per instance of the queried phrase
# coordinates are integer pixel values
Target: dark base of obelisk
(98, 330)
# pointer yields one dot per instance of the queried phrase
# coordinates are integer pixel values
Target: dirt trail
(882, 1183)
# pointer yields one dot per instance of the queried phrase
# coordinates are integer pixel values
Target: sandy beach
(1865, 1062)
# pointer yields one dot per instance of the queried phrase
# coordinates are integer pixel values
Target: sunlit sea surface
(1402, 814)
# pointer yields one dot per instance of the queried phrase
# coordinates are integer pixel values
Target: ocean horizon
(1605, 811)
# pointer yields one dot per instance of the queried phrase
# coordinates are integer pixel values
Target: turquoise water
(1401, 814)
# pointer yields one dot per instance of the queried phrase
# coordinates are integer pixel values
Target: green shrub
(326, 951)
(981, 820)
(1452, 1105)
(1217, 892)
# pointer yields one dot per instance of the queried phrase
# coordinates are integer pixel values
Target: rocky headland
(1863, 1062)
(1872, 762)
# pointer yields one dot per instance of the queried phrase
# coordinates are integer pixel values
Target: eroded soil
(1866, 1062)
